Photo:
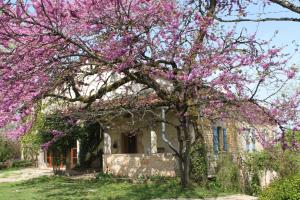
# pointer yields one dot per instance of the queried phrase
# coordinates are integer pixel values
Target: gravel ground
(25, 174)
(231, 197)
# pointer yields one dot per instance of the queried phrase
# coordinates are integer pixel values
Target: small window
(250, 139)
(160, 150)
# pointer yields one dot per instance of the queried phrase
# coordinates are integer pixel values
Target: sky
(288, 32)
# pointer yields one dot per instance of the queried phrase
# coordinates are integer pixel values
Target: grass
(103, 188)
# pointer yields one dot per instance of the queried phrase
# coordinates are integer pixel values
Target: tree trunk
(186, 172)
(185, 147)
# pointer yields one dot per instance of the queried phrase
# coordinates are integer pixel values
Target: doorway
(129, 143)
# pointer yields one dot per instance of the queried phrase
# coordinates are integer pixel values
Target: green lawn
(101, 188)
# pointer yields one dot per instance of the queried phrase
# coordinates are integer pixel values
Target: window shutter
(215, 139)
(225, 139)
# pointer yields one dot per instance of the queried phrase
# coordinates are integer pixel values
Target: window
(219, 139)
(250, 139)
(73, 157)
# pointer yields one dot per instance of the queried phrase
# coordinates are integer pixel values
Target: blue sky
(288, 32)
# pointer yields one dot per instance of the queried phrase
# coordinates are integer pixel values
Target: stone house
(139, 149)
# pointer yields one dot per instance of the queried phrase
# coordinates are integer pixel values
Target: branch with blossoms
(56, 135)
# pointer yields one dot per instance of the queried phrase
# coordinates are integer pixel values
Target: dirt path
(234, 197)
(231, 197)
(23, 174)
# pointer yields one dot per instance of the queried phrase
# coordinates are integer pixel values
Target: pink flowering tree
(177, 49)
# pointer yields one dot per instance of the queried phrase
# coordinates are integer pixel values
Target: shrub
(22, 163)
(31, 144)
(5, 153)
(8, 150)
(227, 173)
(289, 163)
(198, 163)
(283, 189)
(285, 163)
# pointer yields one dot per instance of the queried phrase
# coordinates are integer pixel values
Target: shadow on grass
(110, 189)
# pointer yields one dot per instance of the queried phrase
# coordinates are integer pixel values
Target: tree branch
(102, 91)
(260, 20)
(288, 5)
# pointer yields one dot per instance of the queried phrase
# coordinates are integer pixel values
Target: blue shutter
(215, 139)
(225, 139)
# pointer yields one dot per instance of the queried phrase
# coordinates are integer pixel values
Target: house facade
(136, 149)
(145, 153)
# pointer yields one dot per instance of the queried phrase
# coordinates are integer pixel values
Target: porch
(139, 165)
(138, 153)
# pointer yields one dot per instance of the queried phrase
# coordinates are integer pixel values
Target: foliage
(292, 139)
(254, 187)
(90, 149)
(227, 173)
(104, 188)
(285, 163)
(31, 142)
(287, 188)
(8, 150)
(198, 162)
(255, 164)
(59, 133)
(5, 152)
(289, 163)
(22, 163)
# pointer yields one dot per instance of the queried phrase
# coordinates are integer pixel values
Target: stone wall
(135, 165)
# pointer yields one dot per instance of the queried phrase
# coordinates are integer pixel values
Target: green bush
(8, 150)
(5, 154)
(283, 189)
(22, 163)
(289, 163)
(227, 173)
(285, 163)
(198, 163)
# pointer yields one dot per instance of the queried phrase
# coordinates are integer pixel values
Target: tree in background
(177, 51)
